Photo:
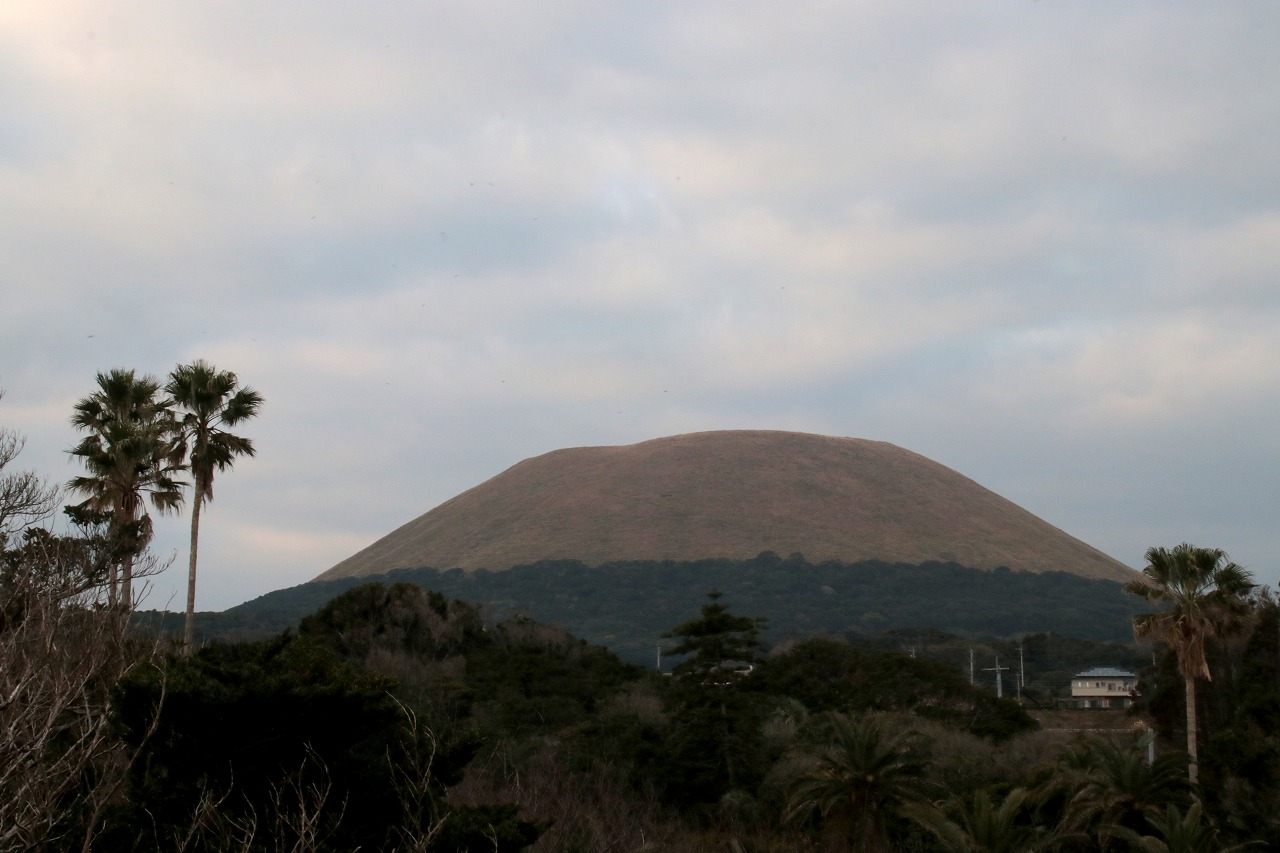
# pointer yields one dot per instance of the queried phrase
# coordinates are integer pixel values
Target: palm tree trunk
(126, 583)
(189, 625)
(1193, 769)
(126, 510)
(113, 578)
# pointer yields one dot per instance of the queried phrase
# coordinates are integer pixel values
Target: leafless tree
(412, 777)
(61, 654)
(588, 808)
(60, 761)
(25, 497)
(299, 816)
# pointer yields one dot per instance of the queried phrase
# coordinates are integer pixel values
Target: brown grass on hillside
(730, 495)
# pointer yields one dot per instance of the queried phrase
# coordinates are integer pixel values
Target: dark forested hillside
(625, 606)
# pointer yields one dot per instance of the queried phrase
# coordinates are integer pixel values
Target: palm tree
(978, 825)
(130, 454)
(1112, 787)
(1179, 833)
(1204, 593)
(863, 780)
(210, 400)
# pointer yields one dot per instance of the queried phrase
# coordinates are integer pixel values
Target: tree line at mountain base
(627, 605)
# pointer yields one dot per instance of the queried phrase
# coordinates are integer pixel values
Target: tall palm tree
(131, 454)
(210, 400)
(1204, 594)
(862, 780)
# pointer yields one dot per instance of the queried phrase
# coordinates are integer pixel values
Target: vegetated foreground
(732, 494)
(394, 719)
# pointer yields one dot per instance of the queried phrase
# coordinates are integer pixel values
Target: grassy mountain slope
(731, 495)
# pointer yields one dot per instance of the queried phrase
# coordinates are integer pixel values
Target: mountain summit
(730, 494)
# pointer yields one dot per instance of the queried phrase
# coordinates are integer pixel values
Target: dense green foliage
(395, 719)
(239, 723)
(627, 606)
(400, 618)
(826, 675)
(288, 731)
(862, 781)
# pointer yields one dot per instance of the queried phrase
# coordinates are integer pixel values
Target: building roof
(1105, 672)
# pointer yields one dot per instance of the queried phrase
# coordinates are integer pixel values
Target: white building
(1103, 687)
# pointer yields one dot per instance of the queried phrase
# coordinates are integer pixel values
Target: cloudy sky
(1038, 242)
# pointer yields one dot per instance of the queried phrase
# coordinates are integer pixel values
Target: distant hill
(731, 495)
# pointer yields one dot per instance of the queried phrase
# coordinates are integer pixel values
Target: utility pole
(972, 680)
(999, 680)
(1022, 672)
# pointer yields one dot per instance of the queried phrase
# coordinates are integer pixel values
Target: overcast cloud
(1038, 242)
